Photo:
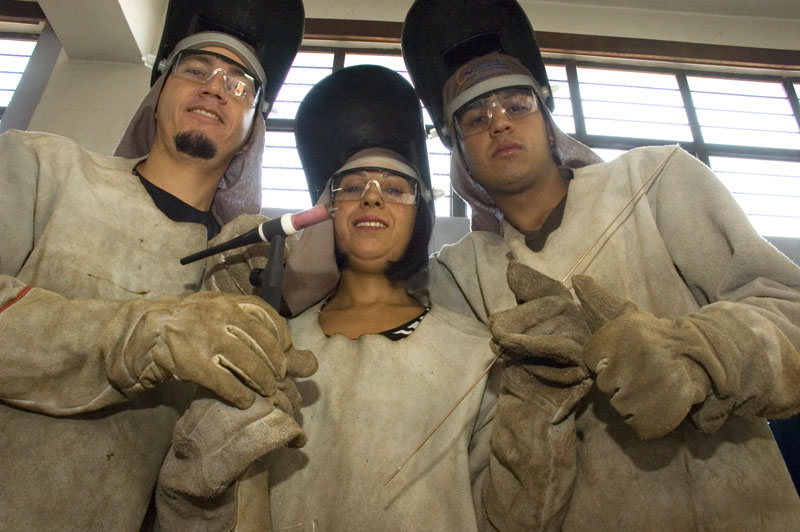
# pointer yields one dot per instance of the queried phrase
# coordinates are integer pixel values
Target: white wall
(91, 102)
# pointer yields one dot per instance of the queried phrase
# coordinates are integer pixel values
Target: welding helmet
(272, 31)
(439, 36)
(359, 107)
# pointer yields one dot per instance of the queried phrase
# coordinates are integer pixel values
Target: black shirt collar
(177, 210)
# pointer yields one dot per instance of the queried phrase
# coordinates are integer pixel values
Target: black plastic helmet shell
(274, 28)
(441, 35)
(358, 107)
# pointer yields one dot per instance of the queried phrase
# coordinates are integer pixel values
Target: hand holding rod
(286, 225)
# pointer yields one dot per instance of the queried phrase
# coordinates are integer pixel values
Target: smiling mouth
(380, 225)
(209, 114)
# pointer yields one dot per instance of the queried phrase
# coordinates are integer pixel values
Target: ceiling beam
(20, 12)
(589, 45)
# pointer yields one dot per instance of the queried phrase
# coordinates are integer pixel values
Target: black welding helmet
(439, 36)
(271, 29)
(360, 107)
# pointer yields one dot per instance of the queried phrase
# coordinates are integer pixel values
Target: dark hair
(415, 258)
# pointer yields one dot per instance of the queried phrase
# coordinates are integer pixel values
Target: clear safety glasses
(201, 66)
(393, 187)
(476, 116)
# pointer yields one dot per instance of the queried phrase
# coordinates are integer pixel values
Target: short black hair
(415, 258)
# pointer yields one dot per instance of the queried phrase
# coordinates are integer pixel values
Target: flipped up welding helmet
(272, 28)
(439, 36)
(359, 107)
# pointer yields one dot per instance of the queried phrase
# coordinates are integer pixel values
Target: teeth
(370, 224)
(206, 113)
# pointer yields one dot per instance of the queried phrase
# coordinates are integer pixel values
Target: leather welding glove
(533, 463)
(229, 344)
(544, 334)
(212, 474)
(230, 271)
(203, 482)
(655, 370)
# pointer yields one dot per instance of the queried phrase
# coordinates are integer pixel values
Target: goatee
(195, 144)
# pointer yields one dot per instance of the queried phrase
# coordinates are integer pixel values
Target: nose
(373, 196)
(215, 85)
(499, 122)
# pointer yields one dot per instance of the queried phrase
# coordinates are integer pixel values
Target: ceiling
(127, 30)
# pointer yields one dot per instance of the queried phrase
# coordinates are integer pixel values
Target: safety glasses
(476, 116)
(201, 66)
(393, 186)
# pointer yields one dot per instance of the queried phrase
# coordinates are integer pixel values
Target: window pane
(18, 47)
(283, 182)
(768, 191)
(608, 155)
(439, 161)
(307, 69)
(744, 113)
(8, 81)
(14, 56)
(557, 74)
(633, 104)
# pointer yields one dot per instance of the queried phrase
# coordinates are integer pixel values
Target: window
(746, 128)
(14, 56)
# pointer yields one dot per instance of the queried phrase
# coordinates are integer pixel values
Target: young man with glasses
(105, 336)
(655, 421)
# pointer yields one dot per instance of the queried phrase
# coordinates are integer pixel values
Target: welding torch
(275, 232)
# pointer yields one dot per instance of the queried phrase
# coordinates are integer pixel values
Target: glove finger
(529, 314)
(255, 256)
(300, 363)
(226, 385)
(599, 304)
(560, 349)
(528, 284)
(651, 416)
(653, 399)
(260, 359)
(269, 318)
(218, 278)
(288, 397)
(597, 352)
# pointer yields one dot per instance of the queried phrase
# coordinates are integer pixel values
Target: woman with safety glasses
(391, 364)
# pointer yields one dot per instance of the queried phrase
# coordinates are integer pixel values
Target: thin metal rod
(634, 198)
(471, 387)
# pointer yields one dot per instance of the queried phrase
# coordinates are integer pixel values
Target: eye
(396, 186)
(473, 119)
(517, 106)
(393, 191)
(193, 68)
(478, 120)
